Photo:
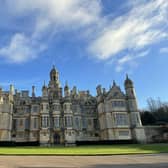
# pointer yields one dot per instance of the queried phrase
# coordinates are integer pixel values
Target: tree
(156, 114)
(147, 118)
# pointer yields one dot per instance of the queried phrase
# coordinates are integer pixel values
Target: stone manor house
(57, 118)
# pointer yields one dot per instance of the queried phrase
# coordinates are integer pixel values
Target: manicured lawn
(87, 150)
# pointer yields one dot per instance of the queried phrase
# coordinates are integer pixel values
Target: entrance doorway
(56, 138)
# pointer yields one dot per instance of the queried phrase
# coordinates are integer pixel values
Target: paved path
(115, 161)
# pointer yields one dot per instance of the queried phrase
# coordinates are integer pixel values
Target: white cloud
(44, 19)
(125, 59)
(64, 14)
(119, 68)
(142, 54)
(20, 49)
(131, 60)
(144, 25)
(164, 50)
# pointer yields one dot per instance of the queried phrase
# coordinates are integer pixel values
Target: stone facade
(57, 118)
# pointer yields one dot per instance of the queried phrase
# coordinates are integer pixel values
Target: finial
(44, 82)
(66, 85)
(0, 88)
(114, 84)
(126, 76)
(33, 91)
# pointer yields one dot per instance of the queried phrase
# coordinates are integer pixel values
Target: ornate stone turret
(12, 90)
(44, 114)
(54, 78)
(74, 91)
(54, 89)
(1, 98)
(54, 74)
(99, 90)
(114, 83)
(33, 91)
(136, 126)
(130, 94)
(129, 88)
(66, 90)
(6, 111)
(44, 91)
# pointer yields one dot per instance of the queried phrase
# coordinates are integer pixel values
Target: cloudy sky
(91, 42)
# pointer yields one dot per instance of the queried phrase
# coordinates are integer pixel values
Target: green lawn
(87, 150)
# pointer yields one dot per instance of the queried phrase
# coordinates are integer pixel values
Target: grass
(87, 150)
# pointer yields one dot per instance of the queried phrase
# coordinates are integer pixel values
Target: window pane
(123, 133)
(56, 122)
(45, 123)
(121, 119)
(26, 123)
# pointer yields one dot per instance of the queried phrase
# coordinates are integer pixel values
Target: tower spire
(126, 76)
(114, 83)
(66, 83)
(33, 91)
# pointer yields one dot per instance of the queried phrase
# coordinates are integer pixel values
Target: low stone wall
(156, 134)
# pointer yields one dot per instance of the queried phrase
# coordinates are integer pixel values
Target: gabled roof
(115, 93)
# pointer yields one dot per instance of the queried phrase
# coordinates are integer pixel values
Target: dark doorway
(56, 138)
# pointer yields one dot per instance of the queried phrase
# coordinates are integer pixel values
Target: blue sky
(90, 43)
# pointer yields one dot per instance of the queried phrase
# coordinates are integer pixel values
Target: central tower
(54, 78)
(54, 89)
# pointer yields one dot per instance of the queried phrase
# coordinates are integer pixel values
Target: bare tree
(156, 113)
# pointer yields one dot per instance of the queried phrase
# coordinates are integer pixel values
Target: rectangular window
(56, 122)
(68, 121)
(123, 133)
(20, 134)
(26, 123)
(35, 122)
(26, 109)
(35, 109)
(74, 108)
(95, 122)
(77, 123)
(121, 119)
(21, 123)
(84, 123)
(45, 123)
